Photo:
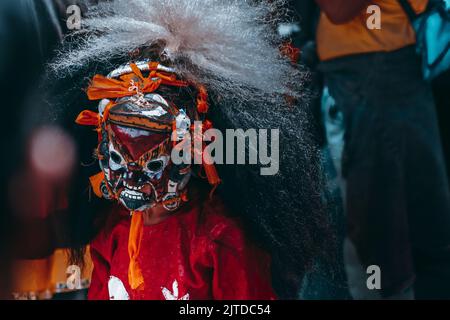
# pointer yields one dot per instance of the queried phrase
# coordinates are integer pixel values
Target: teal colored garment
(433, 36)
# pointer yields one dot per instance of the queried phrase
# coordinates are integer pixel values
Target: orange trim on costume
(202, 100)
(88, 118)
(96, 181)
(135, 277)
(136, 121)
(210, 169)
(106, 111)
(213, 177)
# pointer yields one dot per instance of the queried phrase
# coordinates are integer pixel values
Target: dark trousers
(397, 192)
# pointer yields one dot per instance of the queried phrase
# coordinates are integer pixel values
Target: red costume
(194, 254)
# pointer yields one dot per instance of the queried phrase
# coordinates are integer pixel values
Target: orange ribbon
(88, 118)
(129, 84)
(135, 278)
(202, 100)
(207, 162)
(96, 182)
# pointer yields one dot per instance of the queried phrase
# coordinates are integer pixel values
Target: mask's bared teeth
(130, 187)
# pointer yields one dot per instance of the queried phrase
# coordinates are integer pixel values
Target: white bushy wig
(231, 46)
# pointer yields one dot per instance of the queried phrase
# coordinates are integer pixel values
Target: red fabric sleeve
(101, 250)
(98, 289)
(241, 271)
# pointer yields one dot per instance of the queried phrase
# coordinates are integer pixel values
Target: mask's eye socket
(116, 161)
(116, 157)
(155, 165)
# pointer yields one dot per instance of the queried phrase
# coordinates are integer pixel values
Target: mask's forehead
(135, 141)
(150, 112)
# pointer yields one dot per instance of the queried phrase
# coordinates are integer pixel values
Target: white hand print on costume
(117, 289)
(168, 295)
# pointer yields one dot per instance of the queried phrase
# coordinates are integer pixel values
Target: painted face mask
(135, 154)
(136, 133)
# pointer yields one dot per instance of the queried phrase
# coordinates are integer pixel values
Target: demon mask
(138, 127)
(135, 151)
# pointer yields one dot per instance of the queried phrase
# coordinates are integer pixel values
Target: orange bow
(88, 118)
(129, 84)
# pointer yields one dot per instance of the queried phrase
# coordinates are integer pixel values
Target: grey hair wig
(230, 46)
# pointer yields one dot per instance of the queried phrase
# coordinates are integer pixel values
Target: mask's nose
(134, 174)
(133, 167)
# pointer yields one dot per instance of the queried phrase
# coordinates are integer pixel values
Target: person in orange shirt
(396, 193)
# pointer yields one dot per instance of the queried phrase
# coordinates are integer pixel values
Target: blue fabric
(433, 38)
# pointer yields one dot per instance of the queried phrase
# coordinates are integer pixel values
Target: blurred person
(27, 36)
(397, 196)
(35, 173)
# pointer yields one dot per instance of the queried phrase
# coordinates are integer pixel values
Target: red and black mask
(135, 122)
(135, 151)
